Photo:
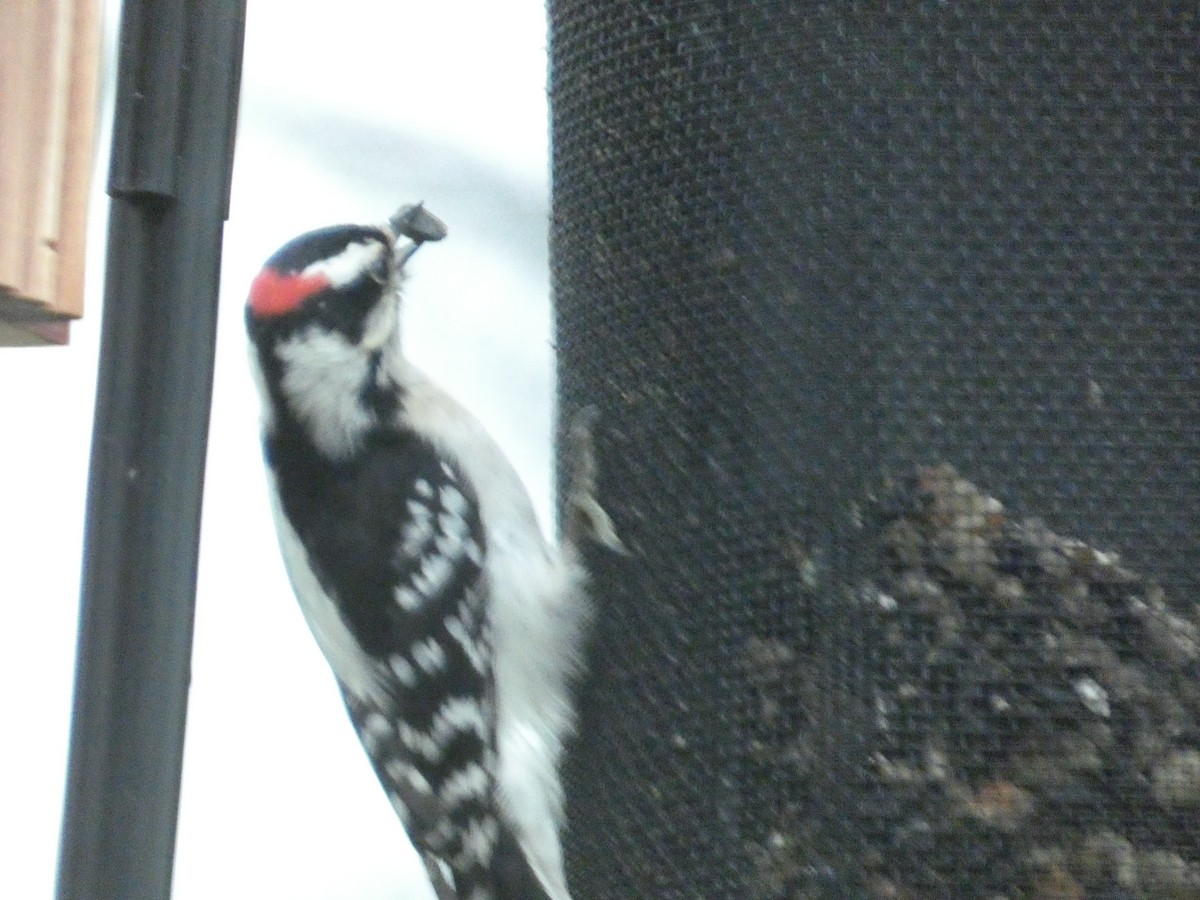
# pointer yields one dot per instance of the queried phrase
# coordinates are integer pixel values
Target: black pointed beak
(417, 224)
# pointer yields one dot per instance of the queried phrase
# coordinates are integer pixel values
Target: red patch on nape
(274, 293)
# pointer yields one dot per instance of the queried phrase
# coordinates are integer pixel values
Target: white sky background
(349, 109)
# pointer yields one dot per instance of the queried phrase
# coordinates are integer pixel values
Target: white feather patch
(468, 783)
(403, 670)
(478, 841)
(458, 715)
(429, 656)
(348, 265)
(323, 375)
(475, 650)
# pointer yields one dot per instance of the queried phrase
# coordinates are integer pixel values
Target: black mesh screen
(892, 314)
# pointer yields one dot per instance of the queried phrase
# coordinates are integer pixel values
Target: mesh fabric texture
(891, 314)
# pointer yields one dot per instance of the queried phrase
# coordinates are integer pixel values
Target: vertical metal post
(177, 90)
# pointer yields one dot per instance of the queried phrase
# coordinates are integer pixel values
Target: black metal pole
(177, 89)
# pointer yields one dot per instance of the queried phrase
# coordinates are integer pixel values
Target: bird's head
(323, 318)
(340, 280)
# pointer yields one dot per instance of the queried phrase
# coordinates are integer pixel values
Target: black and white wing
(395, 544)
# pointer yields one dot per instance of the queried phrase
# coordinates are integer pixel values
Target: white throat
(324, 377)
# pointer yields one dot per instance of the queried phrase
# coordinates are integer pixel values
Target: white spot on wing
(403, 670)
(468, 783)
(475, 650)
(429, 656)
(418, 531)
(401, 809)
(452, 526)
(375, 729)
(436, 570)
(458, 715)
(448, 545)
(452, 499)
(408, 599)
(377, 725)
(400, 771)
(479, 840)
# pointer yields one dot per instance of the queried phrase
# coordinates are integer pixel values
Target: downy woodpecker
(452, 626)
